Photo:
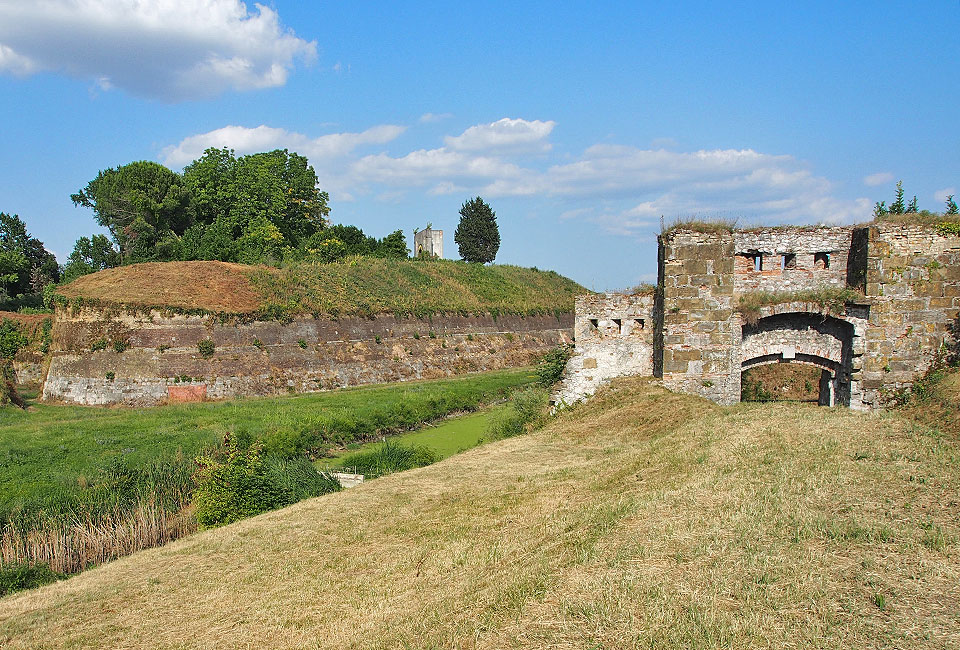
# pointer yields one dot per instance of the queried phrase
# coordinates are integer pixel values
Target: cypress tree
(477, 235)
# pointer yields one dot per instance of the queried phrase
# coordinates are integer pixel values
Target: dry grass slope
(213, 286)
(359, 286)
(642, 519)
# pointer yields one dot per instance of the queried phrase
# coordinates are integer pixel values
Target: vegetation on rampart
(358, 286)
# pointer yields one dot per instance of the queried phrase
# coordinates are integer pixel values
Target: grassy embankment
(642, 519)
(354, 287)
(81, 485)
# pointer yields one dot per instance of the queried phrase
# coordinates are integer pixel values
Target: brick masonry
(700, 343)
(108, 357)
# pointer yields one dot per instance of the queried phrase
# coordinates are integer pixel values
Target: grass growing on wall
(832, 300)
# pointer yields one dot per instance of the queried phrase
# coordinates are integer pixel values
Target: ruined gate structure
(871, 306)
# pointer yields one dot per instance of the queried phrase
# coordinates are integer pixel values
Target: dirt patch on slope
(212, 286)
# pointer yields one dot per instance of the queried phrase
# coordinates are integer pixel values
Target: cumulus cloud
(504, 136)
(171, 50)
(622, 188)
(246, 140)
(880, 178)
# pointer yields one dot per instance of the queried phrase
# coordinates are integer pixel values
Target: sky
(583, 125)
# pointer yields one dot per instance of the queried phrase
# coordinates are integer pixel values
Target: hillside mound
(641, 519)
(208, 286)
(360, 286)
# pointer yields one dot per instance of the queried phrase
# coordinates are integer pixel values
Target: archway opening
(781, 382)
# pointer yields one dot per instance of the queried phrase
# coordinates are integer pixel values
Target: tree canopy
(25, 265)
(477, 234)
(252, 209)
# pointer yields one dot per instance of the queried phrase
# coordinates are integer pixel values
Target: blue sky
(580, 123)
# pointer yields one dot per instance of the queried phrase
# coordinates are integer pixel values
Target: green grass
(366, 286)
(51, 455)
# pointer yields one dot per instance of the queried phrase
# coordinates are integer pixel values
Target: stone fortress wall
(702, 339)
(104, 356)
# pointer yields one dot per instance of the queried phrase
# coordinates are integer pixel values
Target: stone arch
(811, 338)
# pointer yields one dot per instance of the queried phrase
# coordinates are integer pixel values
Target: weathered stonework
(103, 357)
(875, 345)
(614, 337)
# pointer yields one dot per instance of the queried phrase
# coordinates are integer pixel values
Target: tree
(898, 206)
(477, 235)
(25, 265)
(951, 205)
(913, 207)
(139, 200)
(91, 254)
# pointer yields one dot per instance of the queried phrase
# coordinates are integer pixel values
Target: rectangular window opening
(638, 322)
(619, 325)
(789, 261)
(757, 262)
(821, 260)
(594, 323)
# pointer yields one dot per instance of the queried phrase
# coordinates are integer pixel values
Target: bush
(206, 348)
(236, 482)
(550, 367)
(391, 457)
(526, 407)
(26, 576)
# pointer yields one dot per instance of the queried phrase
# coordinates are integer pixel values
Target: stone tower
(428, 242)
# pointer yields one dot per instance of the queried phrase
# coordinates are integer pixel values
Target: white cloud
(428, 118)
(167, 49)
(504, 136)
(246, 140)
(880, 178)
(941, 195)
(623, 189)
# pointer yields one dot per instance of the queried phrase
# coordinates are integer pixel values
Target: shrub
(302, 344)
(120, 345)
(206, 348)
(237, 482)
(26, 576)
(550, 367)
(99, 344)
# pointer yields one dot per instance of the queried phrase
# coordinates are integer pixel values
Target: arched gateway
(870, 306)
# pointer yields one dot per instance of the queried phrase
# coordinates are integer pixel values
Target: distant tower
(428, 242)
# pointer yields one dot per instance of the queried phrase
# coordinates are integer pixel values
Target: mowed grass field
(642, 519)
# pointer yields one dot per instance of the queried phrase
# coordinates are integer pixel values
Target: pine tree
(951, 205)
(913, 208)
(477, 235)
(879, 209)
(898, 206)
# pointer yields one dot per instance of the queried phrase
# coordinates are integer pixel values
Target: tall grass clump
(526, 408)
(390, 457)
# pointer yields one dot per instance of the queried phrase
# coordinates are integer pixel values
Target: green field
(51, 455)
